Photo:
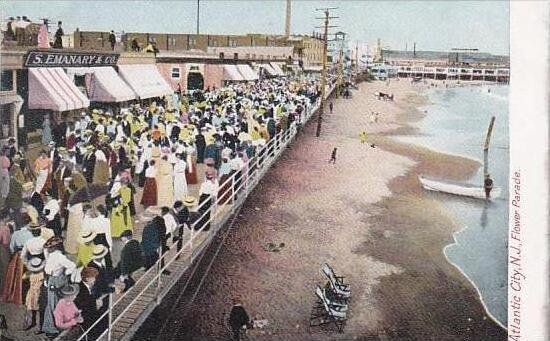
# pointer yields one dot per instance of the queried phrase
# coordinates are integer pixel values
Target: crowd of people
(71, 242)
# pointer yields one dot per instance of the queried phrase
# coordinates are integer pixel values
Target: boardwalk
(133, 307)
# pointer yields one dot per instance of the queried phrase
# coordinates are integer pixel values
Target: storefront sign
(68, 59)
(195, 68)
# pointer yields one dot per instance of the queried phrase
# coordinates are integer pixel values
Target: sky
(433, 25)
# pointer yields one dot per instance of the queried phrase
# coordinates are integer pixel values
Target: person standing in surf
(488, 186)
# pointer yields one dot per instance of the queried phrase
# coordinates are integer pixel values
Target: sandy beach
(366, 215)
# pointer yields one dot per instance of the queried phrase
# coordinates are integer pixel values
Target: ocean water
(456, 122)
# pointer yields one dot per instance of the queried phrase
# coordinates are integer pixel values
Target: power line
(326, 26)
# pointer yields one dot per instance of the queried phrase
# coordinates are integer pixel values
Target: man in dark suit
(88, 164)
(130, 259)
(104, 284)
(238, 320)
(85, 300)
(150, 241)
(181, 213)
(112, 40)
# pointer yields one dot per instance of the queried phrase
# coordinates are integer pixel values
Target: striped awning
(269, 69)
(107, 86)
(231, 73)
(277, 69)
(247, 72)
(51, 89)
(145, 80)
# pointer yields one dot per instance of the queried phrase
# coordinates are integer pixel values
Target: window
(213, 42)
(175, 72)
(172, 41)
(6, 126)
(221, 55)
(192, 43)
(235, 56)
(232, 43)
(7, 80)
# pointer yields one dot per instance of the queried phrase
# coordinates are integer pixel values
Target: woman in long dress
(180, 181)
(121, 219)
(191, 171)
(42, 167)
(149, 197)
(165, 183)
(101, 169)
(46, 131)
(57, 271)
(208, 192)
(76, 216)
(5, 238)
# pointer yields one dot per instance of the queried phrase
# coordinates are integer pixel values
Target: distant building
(439, 58)
(464, 66)
(308, 50)
(254, 53)
(339, 43)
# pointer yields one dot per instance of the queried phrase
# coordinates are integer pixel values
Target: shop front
(61, 85)
(10, 105)
(103, 87)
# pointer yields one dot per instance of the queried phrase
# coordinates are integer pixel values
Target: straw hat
(53, 241)
(86, 236)
(35, 264)
(34, 226)
(189, 201)
(99, 251)
(70, 290)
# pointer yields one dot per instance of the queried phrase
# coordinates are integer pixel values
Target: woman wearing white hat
(35, 273)
(180, 182)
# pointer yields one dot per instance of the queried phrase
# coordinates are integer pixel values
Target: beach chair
(327, 312)
(336, 283)
(329, 272)
(332, 302)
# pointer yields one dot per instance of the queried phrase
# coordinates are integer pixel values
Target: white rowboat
(457, 188)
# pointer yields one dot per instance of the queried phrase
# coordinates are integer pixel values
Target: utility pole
(357, 57)
(326, 26)
(340, 71)
(198, 14)
(340, 65)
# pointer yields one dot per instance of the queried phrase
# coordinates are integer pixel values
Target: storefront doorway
(195, 81)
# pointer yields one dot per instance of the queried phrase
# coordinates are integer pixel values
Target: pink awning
(107, 86)
(51, 88)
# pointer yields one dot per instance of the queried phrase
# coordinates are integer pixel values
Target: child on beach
(333, 156)
(363, 137)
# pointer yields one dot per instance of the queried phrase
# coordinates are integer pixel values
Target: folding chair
(336, 283)
(325, 312)
(332, 302)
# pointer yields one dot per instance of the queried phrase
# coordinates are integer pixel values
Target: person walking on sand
(363, 137)
(488, 186)
(330, 106)
(239, 320)
(333, 156)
